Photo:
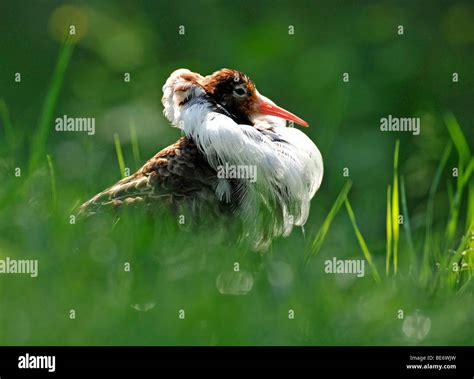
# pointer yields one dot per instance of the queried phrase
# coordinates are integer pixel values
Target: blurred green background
(173, 268)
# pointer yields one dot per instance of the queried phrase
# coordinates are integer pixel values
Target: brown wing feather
(178, 171)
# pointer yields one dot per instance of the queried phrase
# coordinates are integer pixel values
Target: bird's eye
(240, 91)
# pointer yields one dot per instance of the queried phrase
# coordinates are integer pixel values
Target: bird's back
(177, 174)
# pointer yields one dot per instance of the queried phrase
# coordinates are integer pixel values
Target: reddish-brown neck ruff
(234, 91)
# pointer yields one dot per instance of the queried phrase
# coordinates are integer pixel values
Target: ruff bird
(236, 155)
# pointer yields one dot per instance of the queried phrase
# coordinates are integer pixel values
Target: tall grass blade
(322, 232)
(464, 176)
(452, 224)
(389, 230)
(395, 208)
(467, 172)
(465, 168)
(470, 210)
(457, 136)
(462, 182)
(360, 238)
(118, 150)
(470, 228)
(38, 145)
(425, 266)
(53, 179)
(407, 225)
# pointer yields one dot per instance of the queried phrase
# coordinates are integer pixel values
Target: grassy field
(135, 279)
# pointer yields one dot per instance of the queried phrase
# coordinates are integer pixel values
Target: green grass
(389, 231)
(407, 225)
(53, 180)
(323, 231)
(38, 144)
(470, 208)
(458, 138)
(395, 207)
(362, 243)
(428, 253)
(174, 266)
(464, 173)
(120, 159)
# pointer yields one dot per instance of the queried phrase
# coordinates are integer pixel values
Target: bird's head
(237, 93)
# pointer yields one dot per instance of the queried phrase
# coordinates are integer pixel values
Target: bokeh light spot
(68, 20)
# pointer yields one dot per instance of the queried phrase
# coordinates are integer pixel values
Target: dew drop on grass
(234, 283)
(416, 326)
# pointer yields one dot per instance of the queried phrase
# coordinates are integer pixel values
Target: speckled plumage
(177, 173)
